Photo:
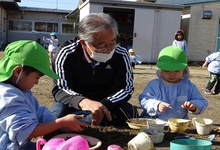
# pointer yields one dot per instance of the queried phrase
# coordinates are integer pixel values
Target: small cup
(203, 126)
(142, 141)
(87, 116)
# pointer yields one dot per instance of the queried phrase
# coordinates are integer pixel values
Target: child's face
(131, 53)
(171, 76)
(179, 37)
(52, 37)
(27, 81)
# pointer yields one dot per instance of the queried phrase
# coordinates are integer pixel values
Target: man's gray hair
(96, 23)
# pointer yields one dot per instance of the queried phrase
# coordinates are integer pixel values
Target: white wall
(154, 30)
(84, 11)
(143, 32)
(167, 24)
(90, 8)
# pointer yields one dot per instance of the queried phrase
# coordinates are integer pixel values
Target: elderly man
(95, 73)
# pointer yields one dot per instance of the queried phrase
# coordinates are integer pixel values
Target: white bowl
(156, 124)
(155, 136)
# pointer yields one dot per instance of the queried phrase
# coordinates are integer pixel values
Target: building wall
(90, 8)
(39, 16)
(3, 28)
(154, 27)
(185, 22)
(84, 10)
(203, 32)
(154, 30)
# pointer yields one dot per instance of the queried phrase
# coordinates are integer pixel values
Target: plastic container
(114, 147)
(156, 125)
(75, 143)
(87, 115)
(203, 126)
(190, 144)
(155, 135)
(142, 141)
(178, 125)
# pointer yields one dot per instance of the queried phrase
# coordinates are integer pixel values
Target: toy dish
(178, 125)
(138, 123)
(94, 143)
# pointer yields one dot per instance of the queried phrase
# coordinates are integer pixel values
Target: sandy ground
(142, 75)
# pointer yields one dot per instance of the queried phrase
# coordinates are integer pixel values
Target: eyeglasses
(104, 48)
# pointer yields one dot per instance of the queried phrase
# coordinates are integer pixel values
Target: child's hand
(189, 106)
(163, 106)
(72, 123)
(204, 66)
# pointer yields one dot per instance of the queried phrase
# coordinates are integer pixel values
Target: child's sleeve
(198, 100)
(148, 100)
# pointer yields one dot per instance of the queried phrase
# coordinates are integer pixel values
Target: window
(40, 26)
(52, 27)
(46, 27)
(67, 28)
(20, 25)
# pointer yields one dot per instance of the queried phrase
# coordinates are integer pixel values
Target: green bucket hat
(172, 58)
(27, 53)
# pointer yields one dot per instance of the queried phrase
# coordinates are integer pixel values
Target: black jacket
(111, 83)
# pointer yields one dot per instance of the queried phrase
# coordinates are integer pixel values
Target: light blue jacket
(19, 115)
(53, 44)
(136, 59)
(181, 44)
(214, 62)
(158, 91)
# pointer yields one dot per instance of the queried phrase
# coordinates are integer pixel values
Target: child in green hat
(171, 95)
(21, 117)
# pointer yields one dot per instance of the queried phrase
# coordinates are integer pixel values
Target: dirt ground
(142, 75)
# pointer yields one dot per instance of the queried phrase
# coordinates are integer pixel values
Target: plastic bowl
(155, 136)
(156, 124)
(190, 144)
(137, 123)
(141, 123)
(178, 125)
(93, 142)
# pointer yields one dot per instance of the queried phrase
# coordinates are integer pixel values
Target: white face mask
(101, 57)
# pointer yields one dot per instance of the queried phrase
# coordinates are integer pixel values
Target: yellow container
(178, 125)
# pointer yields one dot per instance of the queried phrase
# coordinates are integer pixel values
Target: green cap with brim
(26, 53)
(172, 58)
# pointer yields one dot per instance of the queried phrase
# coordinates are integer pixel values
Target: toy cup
(87, 115)
(141, 141)
(203, 126)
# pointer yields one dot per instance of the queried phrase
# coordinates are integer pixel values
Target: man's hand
(98, 110)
